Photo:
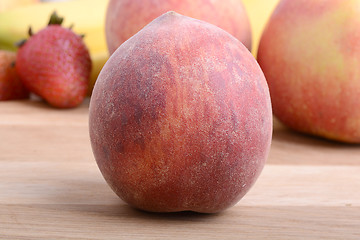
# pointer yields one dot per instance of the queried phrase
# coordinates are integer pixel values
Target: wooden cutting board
(51, 188)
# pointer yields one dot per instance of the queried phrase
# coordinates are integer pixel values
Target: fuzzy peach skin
(180, 118)
(124, 18)
(310, 55)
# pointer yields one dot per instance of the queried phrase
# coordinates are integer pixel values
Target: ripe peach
(180, 118)
(124, 18)
(310, 55)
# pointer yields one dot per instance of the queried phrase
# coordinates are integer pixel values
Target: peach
(310, 55)
(124, 18)
(180, 118)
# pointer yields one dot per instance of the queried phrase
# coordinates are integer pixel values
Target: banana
(86, 16)
(10, 4)
(259, 12)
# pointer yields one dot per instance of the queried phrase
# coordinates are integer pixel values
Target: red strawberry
(10, 85)
(55, 64)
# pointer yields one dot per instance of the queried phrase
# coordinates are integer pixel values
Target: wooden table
(51, 188)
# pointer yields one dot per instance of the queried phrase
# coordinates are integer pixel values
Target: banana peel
(10, 4)
(84, 16)
(259, 12)
(98, 61)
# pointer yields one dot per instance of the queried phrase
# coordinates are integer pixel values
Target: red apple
(310, 55)
(180, 118)
(124, 18)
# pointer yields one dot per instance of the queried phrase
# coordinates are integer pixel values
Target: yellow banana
(10, 4)
(86, 16)
(259, 12)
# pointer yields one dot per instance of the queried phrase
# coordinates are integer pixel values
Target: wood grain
(51, 188)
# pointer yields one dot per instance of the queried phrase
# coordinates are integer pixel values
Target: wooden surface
(51, 188)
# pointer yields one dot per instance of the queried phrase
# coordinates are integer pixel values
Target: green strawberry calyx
(55, 19)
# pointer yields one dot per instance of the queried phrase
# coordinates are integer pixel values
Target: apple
(124, 18)
(310, 55)
(180, 118)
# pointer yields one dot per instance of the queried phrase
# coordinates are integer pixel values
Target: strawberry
(55, 64)
(10, 85)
